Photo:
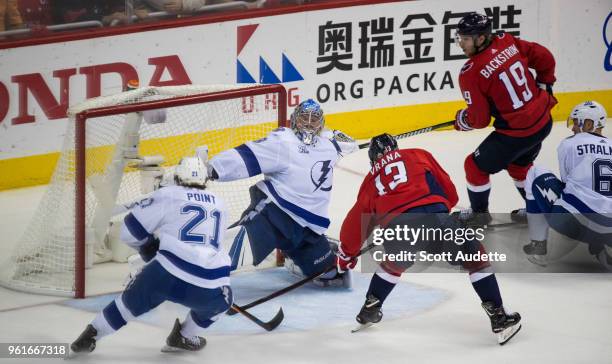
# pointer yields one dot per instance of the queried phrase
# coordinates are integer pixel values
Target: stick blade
(273, 324)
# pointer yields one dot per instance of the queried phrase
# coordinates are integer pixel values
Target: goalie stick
(415, 132)
(294, 285)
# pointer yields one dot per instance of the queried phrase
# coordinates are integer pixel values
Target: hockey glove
(546, 87)
(345, 142)
(461, 122)
(148, 250)
(344, 262)
(343, 138)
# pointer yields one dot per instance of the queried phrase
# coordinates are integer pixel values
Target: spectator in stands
(182, 6)
(11, 19)
(36, 13)
(109, 12)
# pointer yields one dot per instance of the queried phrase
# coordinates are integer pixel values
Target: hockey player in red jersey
(408, 188)
(496, 82)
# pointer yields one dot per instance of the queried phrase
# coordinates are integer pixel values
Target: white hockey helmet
(591, 110)
(191, 171)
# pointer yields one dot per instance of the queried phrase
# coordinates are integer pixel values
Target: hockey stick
(268, 326)
(505, 224)
(295, 285)
(415, 132)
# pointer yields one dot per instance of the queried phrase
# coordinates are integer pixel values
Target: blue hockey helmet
(307, 121)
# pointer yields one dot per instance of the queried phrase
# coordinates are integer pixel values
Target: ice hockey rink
(429, 317)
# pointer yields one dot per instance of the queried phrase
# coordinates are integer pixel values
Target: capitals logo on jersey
(321, 176)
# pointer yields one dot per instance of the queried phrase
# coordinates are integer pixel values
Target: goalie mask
(191, 172)
(380, 145)
(307, 121)
(588, 110)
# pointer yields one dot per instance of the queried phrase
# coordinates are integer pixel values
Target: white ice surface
(430, 318)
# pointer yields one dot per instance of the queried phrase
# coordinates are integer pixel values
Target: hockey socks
(521, 190)
(112, 318)
(485, 285)
(381, 285)
(478, 185)
(479, 197)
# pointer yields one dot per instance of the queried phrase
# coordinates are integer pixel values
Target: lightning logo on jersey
(319, 174)
(550, 195)
(297, 177)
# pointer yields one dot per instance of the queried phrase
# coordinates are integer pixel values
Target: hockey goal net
(112, 156)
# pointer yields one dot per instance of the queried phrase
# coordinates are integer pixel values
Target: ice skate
(471, 218)
(371, 313)
(177, 342)
(344, 279)
(536, 252)
(86, 342)
(519, 216)
(504, 325)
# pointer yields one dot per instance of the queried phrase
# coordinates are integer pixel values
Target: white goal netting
(124, 155)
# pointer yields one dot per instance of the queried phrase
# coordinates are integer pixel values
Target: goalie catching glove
(345, 143)
(344, 262)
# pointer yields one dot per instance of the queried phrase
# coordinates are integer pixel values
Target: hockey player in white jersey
(289, 207)
(579, 205)
(185, 263)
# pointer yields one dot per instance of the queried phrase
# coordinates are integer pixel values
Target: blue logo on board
(608, 43)
(266, 73)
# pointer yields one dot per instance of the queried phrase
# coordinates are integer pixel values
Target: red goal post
(80, 133)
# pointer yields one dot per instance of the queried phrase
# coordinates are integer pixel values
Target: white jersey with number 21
(190, 224)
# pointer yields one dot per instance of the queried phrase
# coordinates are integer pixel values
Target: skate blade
(538, 260)
(76, 355)
(505, 336)
(361, 327)
(172, 349)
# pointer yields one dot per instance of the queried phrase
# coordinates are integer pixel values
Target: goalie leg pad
(271, 228)
(262, 236)
(313, 255)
